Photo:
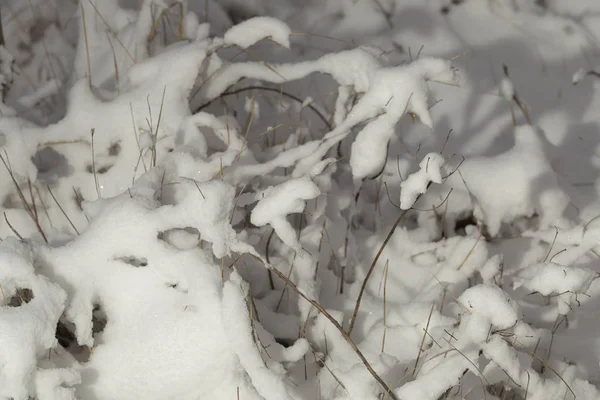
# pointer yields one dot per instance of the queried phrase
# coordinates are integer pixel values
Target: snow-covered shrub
(524, 184)
(201, 203)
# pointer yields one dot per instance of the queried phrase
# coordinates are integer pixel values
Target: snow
(255, 29)
(163, 165)
(26, 332)
(416, 184)
(236, 317)
(507, 89)
(492, 304)
(524, 183)
(550, 279)
(275, 203)
(578, 76)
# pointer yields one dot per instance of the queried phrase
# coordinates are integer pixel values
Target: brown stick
(385, 242)
(270, 89)
(372, 267)
(345, 335)
(13, 229)
(26, 205)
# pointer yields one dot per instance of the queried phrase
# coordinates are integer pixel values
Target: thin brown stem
(87, 47)
(423, 341)
(162, 102)
(285, 286)
(340, 329)
(13, 229)
(62, 210)
(270, 89)
(372, 267)
(92, 132)
(271, 283)
(26, 205)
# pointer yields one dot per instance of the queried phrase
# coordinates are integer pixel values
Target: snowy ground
(300, 199)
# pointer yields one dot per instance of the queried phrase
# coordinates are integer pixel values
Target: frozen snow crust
(296, 200)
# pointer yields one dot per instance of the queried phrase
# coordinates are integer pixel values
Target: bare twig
(271, 283)
(162, 101)
(110, 30)
(387, 264)
(340, 329)
(114, 62)
(87, 47)
(62, 210)
(423, 340)
(92, 132)
(269, 89)
(372, 267)
(469, 253)
(3, 296)
(552, 245)
(17, 234)
(285, 286)
(32, 214)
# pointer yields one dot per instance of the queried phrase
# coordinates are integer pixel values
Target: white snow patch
(251, 31)
(430, 170)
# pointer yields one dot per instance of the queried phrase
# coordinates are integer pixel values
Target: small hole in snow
(285, 342)
(22, 296)
(461, 224)
(66, 338)
(133, 261)
(64, 334)
(99, 320)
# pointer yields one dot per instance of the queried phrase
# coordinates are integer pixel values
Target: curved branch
(387, 390)
(269, 89)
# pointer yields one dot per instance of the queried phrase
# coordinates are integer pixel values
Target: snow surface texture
(193, 194)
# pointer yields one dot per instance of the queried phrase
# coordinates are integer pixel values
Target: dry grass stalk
(339, 328)
(109, 29)
(62, 210)
(3, 296)
(92, 132)
(153, 164)
(87, 47)
(116, 66)
(423, 341)
(387, 264)
(372, 267)
(270, 89)
(30, 209)
(17, 234)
